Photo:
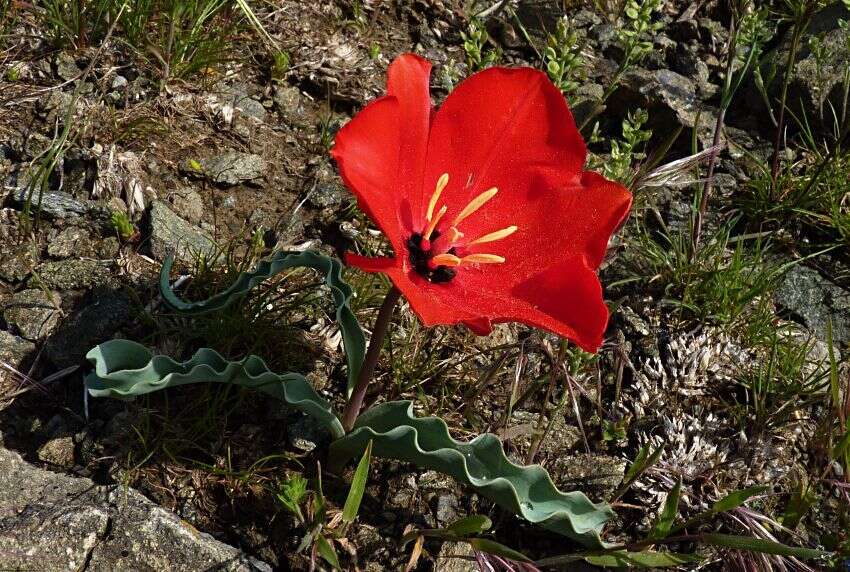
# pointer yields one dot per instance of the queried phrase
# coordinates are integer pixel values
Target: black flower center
(420, 260)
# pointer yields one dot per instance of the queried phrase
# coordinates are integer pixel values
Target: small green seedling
(122, 225)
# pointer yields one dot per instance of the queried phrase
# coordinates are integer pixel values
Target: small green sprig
(634, 36)
(122, 225)
(280, 65)
(474, 44)
(562, 58)
(291, 494)
(625, 152)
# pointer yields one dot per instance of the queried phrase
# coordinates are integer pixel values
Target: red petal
(512, 129)
(408, 81)
(435, 304)
(366, 150)
(605, 205)
(496, 128)
(565, 299)
(381, 151)
(370, 264)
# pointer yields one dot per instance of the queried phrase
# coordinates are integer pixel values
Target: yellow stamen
(493, 236)
(433, 223)
(445, 260)
(483, 258)
(453, 235)
(475, 204)
(441, 184)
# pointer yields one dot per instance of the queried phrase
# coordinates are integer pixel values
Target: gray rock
(585, 18)
(230, 168)
(50, 521)
(17, 262)
(14, 351)
(53, 107)
(10, 226)
(108, 247)
(456, 557)
(58, 451)
(327, 191)
(251, 107)
(446, 509)
(815, 301)
(119, 82)
(327, 194)
(188, 202)
(32, 144)
(66, 66)
(93, 324)
(369, 541)
(171, 234)
(72, 241)
(240, 97)
(73, 274)
(34, 313)
(55, 204)
(664, 88)
(596, 475)
(290, 103)
(814, 86)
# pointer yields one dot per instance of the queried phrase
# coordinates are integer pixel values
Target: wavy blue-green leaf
(524, 490)
(123, 368)
(277, 262)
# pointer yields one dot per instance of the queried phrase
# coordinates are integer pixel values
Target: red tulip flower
(485, 201)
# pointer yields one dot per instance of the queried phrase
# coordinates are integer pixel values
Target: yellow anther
(444, 260)
(483, 259)
(475, 204)
(433, 223)
(441, 184)
(493, 236)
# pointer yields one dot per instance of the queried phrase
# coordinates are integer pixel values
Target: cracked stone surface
(34, 313)
(50, 521)
(172, 234)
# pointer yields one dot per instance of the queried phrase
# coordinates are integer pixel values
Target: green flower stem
(367, 371)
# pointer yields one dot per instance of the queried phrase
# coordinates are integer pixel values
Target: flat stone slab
(51, 521)
(52, 203)
(171, 234)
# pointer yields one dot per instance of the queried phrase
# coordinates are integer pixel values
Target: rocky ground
(233, 158)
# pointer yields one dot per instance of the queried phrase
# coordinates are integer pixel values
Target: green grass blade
(527, 491)
(737, 498)
(326, 551)
(648, 559)
(760, 545)
(473, 524)
(662, 526)
(497, 549)
(352, 334)
(358, 487)
(123, 368)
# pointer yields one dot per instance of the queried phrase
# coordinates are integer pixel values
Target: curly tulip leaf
(124, 369)
(352, 334)
(524, 490)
